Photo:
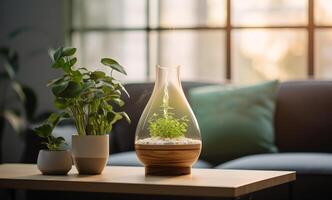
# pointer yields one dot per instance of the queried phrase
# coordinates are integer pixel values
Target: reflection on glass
(323, 53)
(269, 12)
(177, 13)
(200, 53)
(126, 47)
(109, 13)
(323, 12)
(268, 54)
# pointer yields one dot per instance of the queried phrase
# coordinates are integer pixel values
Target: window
(245, 41)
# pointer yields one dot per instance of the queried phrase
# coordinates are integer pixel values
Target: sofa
(303, 135)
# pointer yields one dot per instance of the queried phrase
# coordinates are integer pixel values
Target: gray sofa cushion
(302, 163)
(130, 159)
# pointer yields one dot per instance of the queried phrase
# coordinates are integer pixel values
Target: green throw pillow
(235, 122)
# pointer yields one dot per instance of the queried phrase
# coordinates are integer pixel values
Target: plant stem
(78, 115)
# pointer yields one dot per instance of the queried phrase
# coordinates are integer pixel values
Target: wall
(47, 16)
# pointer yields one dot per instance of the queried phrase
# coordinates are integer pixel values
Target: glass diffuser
(168, 138)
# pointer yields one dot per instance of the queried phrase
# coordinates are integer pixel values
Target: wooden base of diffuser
(168, 160)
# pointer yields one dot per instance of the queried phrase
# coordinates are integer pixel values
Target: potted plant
(54, 160)
(91, 99)
(167, 136)
(18, 102)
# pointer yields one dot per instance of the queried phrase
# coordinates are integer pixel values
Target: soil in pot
(166, 156)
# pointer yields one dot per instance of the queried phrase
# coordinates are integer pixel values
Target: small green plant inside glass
(166, 125)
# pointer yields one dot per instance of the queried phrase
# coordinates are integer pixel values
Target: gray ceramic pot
(54, 162)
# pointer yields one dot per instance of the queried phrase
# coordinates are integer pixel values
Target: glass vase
(168, 140)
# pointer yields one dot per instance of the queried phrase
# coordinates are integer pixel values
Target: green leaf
(61, 103)
(83, 70)
(108, 80)
(87, 85)
(66, 89)
(113, 117)
(110, 116)
(113, 64)
(59, 63)
(57, 54)
(69, 89)
(30, 103)
(44, 130)
(96, 75)
(117, 117)
(118, 101)
(67, 66)
(9, 70)
(64, 115)
(19, 91)
(107, 89)
(59, 88)
(108, 107)
(117, 92)
(68, 51)
(99, 94)
(54, 143)
(54, 119)
(125, 115)
(55, 81)
(72, 62)
(77, 76)
(51, 54)
(119, 85)
(14, 120)
(11, 60)
(59, 140)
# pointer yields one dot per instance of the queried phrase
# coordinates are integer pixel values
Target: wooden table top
(131, 180)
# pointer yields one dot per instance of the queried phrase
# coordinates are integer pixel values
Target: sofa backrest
(303, 119)
(123, 134)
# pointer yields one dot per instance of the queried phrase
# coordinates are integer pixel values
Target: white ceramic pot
(54, 162)
(90, 153)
